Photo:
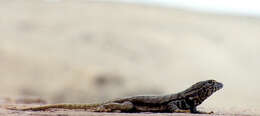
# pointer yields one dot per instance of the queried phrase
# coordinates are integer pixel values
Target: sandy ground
(85, 52)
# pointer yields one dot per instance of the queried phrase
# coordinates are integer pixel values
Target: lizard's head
(209, 85)
(203, 89)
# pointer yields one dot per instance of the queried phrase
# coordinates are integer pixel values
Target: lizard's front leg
(172, 107)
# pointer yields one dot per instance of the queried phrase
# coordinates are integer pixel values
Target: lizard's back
(147, 99)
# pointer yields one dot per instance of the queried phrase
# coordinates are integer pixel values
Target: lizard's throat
(203, 95)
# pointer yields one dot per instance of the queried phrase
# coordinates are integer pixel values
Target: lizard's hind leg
(119, 107)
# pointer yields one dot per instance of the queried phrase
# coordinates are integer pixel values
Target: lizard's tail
(62, 106)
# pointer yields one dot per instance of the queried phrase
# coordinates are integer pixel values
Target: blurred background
(87, 51)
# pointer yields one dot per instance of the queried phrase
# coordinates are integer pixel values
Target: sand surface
(85, 51)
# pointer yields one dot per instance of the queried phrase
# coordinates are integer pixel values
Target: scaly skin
(185, 101)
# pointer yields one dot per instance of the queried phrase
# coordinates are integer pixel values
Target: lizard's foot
(211, 112)
(102, 109)
(181, 111)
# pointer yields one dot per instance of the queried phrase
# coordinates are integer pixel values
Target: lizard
(183, 102)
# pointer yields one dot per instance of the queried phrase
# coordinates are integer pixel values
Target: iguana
(182, 102)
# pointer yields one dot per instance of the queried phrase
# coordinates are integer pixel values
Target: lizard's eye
(210, 82)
